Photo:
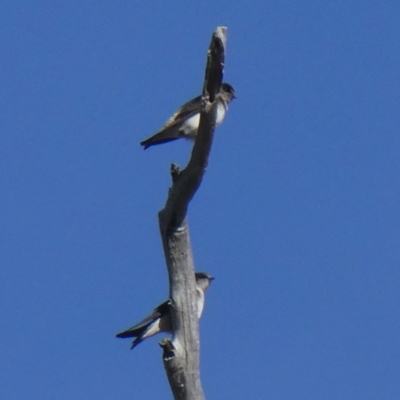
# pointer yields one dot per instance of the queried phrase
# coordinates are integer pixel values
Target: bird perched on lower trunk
(185, 122)
(159, 320)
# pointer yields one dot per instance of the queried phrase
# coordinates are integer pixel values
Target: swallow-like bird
(159, 320)
(185, 122)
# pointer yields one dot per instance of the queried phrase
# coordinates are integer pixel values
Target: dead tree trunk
(181, 356)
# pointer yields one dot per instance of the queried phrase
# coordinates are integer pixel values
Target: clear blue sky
(298, 216)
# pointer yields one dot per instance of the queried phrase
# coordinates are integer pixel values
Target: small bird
(159, 320)
(185, 122)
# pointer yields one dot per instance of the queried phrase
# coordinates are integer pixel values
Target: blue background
(298, 216)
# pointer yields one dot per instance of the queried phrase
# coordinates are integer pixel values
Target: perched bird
(159, 320)
(185, 122)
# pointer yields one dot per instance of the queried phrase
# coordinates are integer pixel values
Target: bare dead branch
(181, 356)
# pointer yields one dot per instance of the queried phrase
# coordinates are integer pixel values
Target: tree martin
(159, 320)
(185, 122)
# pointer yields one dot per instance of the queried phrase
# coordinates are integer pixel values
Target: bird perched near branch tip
(159, 320)
(185, 122)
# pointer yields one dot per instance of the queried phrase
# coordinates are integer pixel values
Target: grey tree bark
(181, 356)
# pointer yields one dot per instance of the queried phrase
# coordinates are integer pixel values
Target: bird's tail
(136, 342)
(132, 332)
(164, 136)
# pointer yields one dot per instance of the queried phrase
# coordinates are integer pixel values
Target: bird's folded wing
(141, 326)
(186, 111)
